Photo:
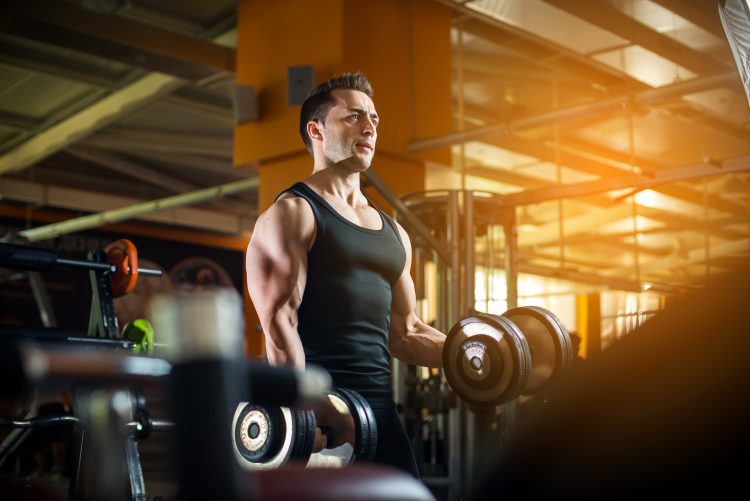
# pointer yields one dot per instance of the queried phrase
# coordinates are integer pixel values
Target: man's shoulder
(289, 207)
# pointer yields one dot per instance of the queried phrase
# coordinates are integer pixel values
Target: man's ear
(314, 130)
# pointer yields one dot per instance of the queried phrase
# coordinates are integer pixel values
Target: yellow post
(402, 45)
(589, 320)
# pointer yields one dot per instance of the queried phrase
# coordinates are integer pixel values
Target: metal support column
(469, 231)
(511, 256)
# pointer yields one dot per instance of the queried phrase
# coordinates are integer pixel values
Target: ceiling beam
(149, 175)
(144, 14)
(615, 21)
(596, 167)
(679, 222)
(504, 176)
(702, 14)
(683, 193)
(206, 109)
(57, 68)
(201, 163)
(43, 195)
(575, 112)
(117, 38)
(666, 176)
(590, 261)
(696, 256)
(550, 232)
(163, 142)
(214, 108)
(698, 115)
(537, 49)
(594, 248)
(83, 123)
(673, 224)
(14, 121)
(510, 67)
(615, 283)
(88, 120)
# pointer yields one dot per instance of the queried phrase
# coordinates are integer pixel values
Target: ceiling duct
(735, 18)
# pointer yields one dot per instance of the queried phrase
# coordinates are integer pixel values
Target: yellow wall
(402, 45)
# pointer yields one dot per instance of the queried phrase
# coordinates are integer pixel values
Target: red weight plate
(123, 254)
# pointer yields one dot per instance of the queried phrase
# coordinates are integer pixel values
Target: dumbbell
(491, 359)
(267, 437)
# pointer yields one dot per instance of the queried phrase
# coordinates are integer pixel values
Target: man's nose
(369, 127)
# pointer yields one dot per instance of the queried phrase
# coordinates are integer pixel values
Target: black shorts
(394, 448)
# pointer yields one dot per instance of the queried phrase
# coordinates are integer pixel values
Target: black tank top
(345, 313)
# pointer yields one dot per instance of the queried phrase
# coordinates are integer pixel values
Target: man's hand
(335, 424)
(321, 440)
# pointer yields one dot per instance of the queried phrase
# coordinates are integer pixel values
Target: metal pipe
(408, 215)
(576, 112)
(511, 257)
(46, 312)
(454, 237)
(469, 250)
(124, 213)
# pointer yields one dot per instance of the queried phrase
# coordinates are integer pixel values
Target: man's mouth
(365, 145)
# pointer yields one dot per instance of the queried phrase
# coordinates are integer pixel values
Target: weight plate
(304, 434)
(370, 439)
(262, 436)
(124, 256)
(486, 360)
(141, 333)
(549, 343)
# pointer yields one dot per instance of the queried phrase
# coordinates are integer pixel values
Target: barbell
(491, 359)
(268, 437)
(121, 263)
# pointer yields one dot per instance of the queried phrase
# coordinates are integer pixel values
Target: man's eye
(355, 116)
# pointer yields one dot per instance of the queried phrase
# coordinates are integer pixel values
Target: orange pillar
(589, 321)
(402, 45)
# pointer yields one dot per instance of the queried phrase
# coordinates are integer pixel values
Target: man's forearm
(421, 345)
(283, 345)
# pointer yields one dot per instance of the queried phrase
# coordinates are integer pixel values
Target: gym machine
(489, 360)
(113, 272)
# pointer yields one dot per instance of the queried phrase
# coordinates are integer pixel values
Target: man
(328, 273)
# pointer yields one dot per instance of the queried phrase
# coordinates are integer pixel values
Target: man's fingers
(321, 440)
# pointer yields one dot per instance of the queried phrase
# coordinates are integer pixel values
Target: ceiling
(100, 110)
(107, 103)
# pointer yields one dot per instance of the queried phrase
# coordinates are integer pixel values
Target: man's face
(350, 130)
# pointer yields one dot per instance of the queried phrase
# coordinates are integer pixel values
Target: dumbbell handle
(328, 433)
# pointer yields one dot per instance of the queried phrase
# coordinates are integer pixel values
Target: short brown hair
(319, 100)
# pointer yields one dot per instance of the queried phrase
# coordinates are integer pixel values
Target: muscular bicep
(410, 339)
(276, 265)
(403, 302)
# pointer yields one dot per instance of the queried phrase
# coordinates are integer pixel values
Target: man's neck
(336, 181)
